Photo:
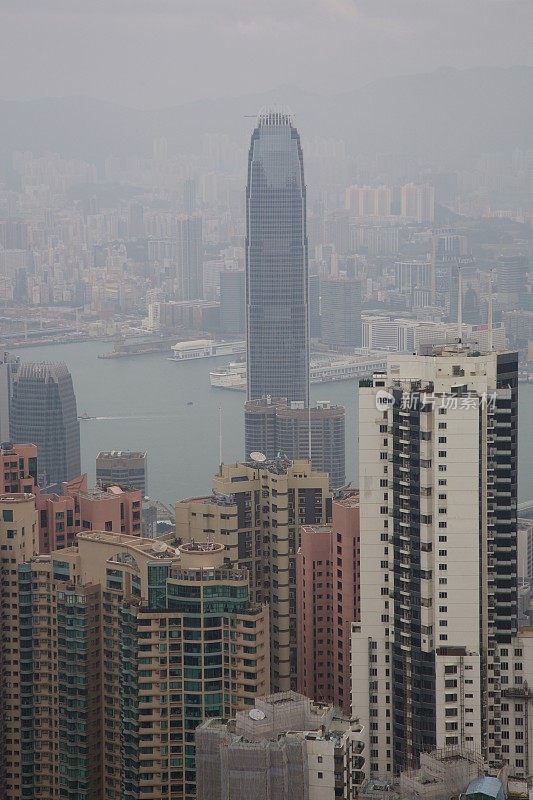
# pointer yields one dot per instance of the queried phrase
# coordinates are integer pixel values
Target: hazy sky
(151, 53)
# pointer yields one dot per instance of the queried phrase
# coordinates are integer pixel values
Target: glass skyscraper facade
(276, 262)
(43, 412)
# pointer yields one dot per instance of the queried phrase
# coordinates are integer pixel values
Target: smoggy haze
(148, 53)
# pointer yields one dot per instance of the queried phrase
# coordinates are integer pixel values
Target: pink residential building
(327, 591)
(62, 516)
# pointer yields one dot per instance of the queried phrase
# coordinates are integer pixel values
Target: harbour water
(143, 403)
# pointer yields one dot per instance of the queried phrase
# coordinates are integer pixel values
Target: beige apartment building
(438, 659)
(256, 510)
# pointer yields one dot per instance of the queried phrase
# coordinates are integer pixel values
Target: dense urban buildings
(256, 510)
(43, 412)
(285, 747)
(130, 651)
(276, 262)
(126, 468)
(437, 658)
(139, 645)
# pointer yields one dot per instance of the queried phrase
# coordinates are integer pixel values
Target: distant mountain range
(448, 114)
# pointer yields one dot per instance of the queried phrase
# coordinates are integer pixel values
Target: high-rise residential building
(233, 302)
(511, 278)
(341, 312)
(43, 412)
(136, 219)
(256, 510)
(272, 426)
(369, 201)
(327, 594)
(189, 257)
(337, 232)
(125, 468)
(8, 367)
(119, 648)
(276, 262)
(286, 747)
(189, 196)
(418, 202)
(410, 275)
(437, 659)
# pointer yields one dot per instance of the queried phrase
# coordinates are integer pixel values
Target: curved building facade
(43, 412)
(276, 262)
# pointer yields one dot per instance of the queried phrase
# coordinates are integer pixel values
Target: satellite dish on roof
(259, 457)
(256, 714)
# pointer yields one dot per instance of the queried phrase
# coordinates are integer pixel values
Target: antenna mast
(489, 317)
(220, 436)
(460, 307)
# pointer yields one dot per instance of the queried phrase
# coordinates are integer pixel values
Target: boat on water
(231, 377)
(322, 369)
(85, 416)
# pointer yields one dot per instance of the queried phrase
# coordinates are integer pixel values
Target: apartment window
(442, 410)
(443, 623)
(443, 567)
(320, 775)
(443, 538)
(443, 453)
(443, 609)
(442, 425)
(383, 456)
(383, 482)
(443, 595)
(442, 440)
(443, 482)
(442, 467)
(443, 524)
(443, 510)
(443, 553)
(450, 669)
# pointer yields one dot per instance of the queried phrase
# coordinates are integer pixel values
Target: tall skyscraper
(437, 659)
(341, 312)
(189, 257)
(43, 412)
(134, 645)
(232, 302)
(276, 262)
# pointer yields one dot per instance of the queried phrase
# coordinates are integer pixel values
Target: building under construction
(285, 747)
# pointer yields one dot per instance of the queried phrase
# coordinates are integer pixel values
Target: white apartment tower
(439, 644)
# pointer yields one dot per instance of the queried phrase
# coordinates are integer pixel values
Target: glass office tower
(276, 262)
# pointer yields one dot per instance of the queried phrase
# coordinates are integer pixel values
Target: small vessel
(85, 416)
(190, 403)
